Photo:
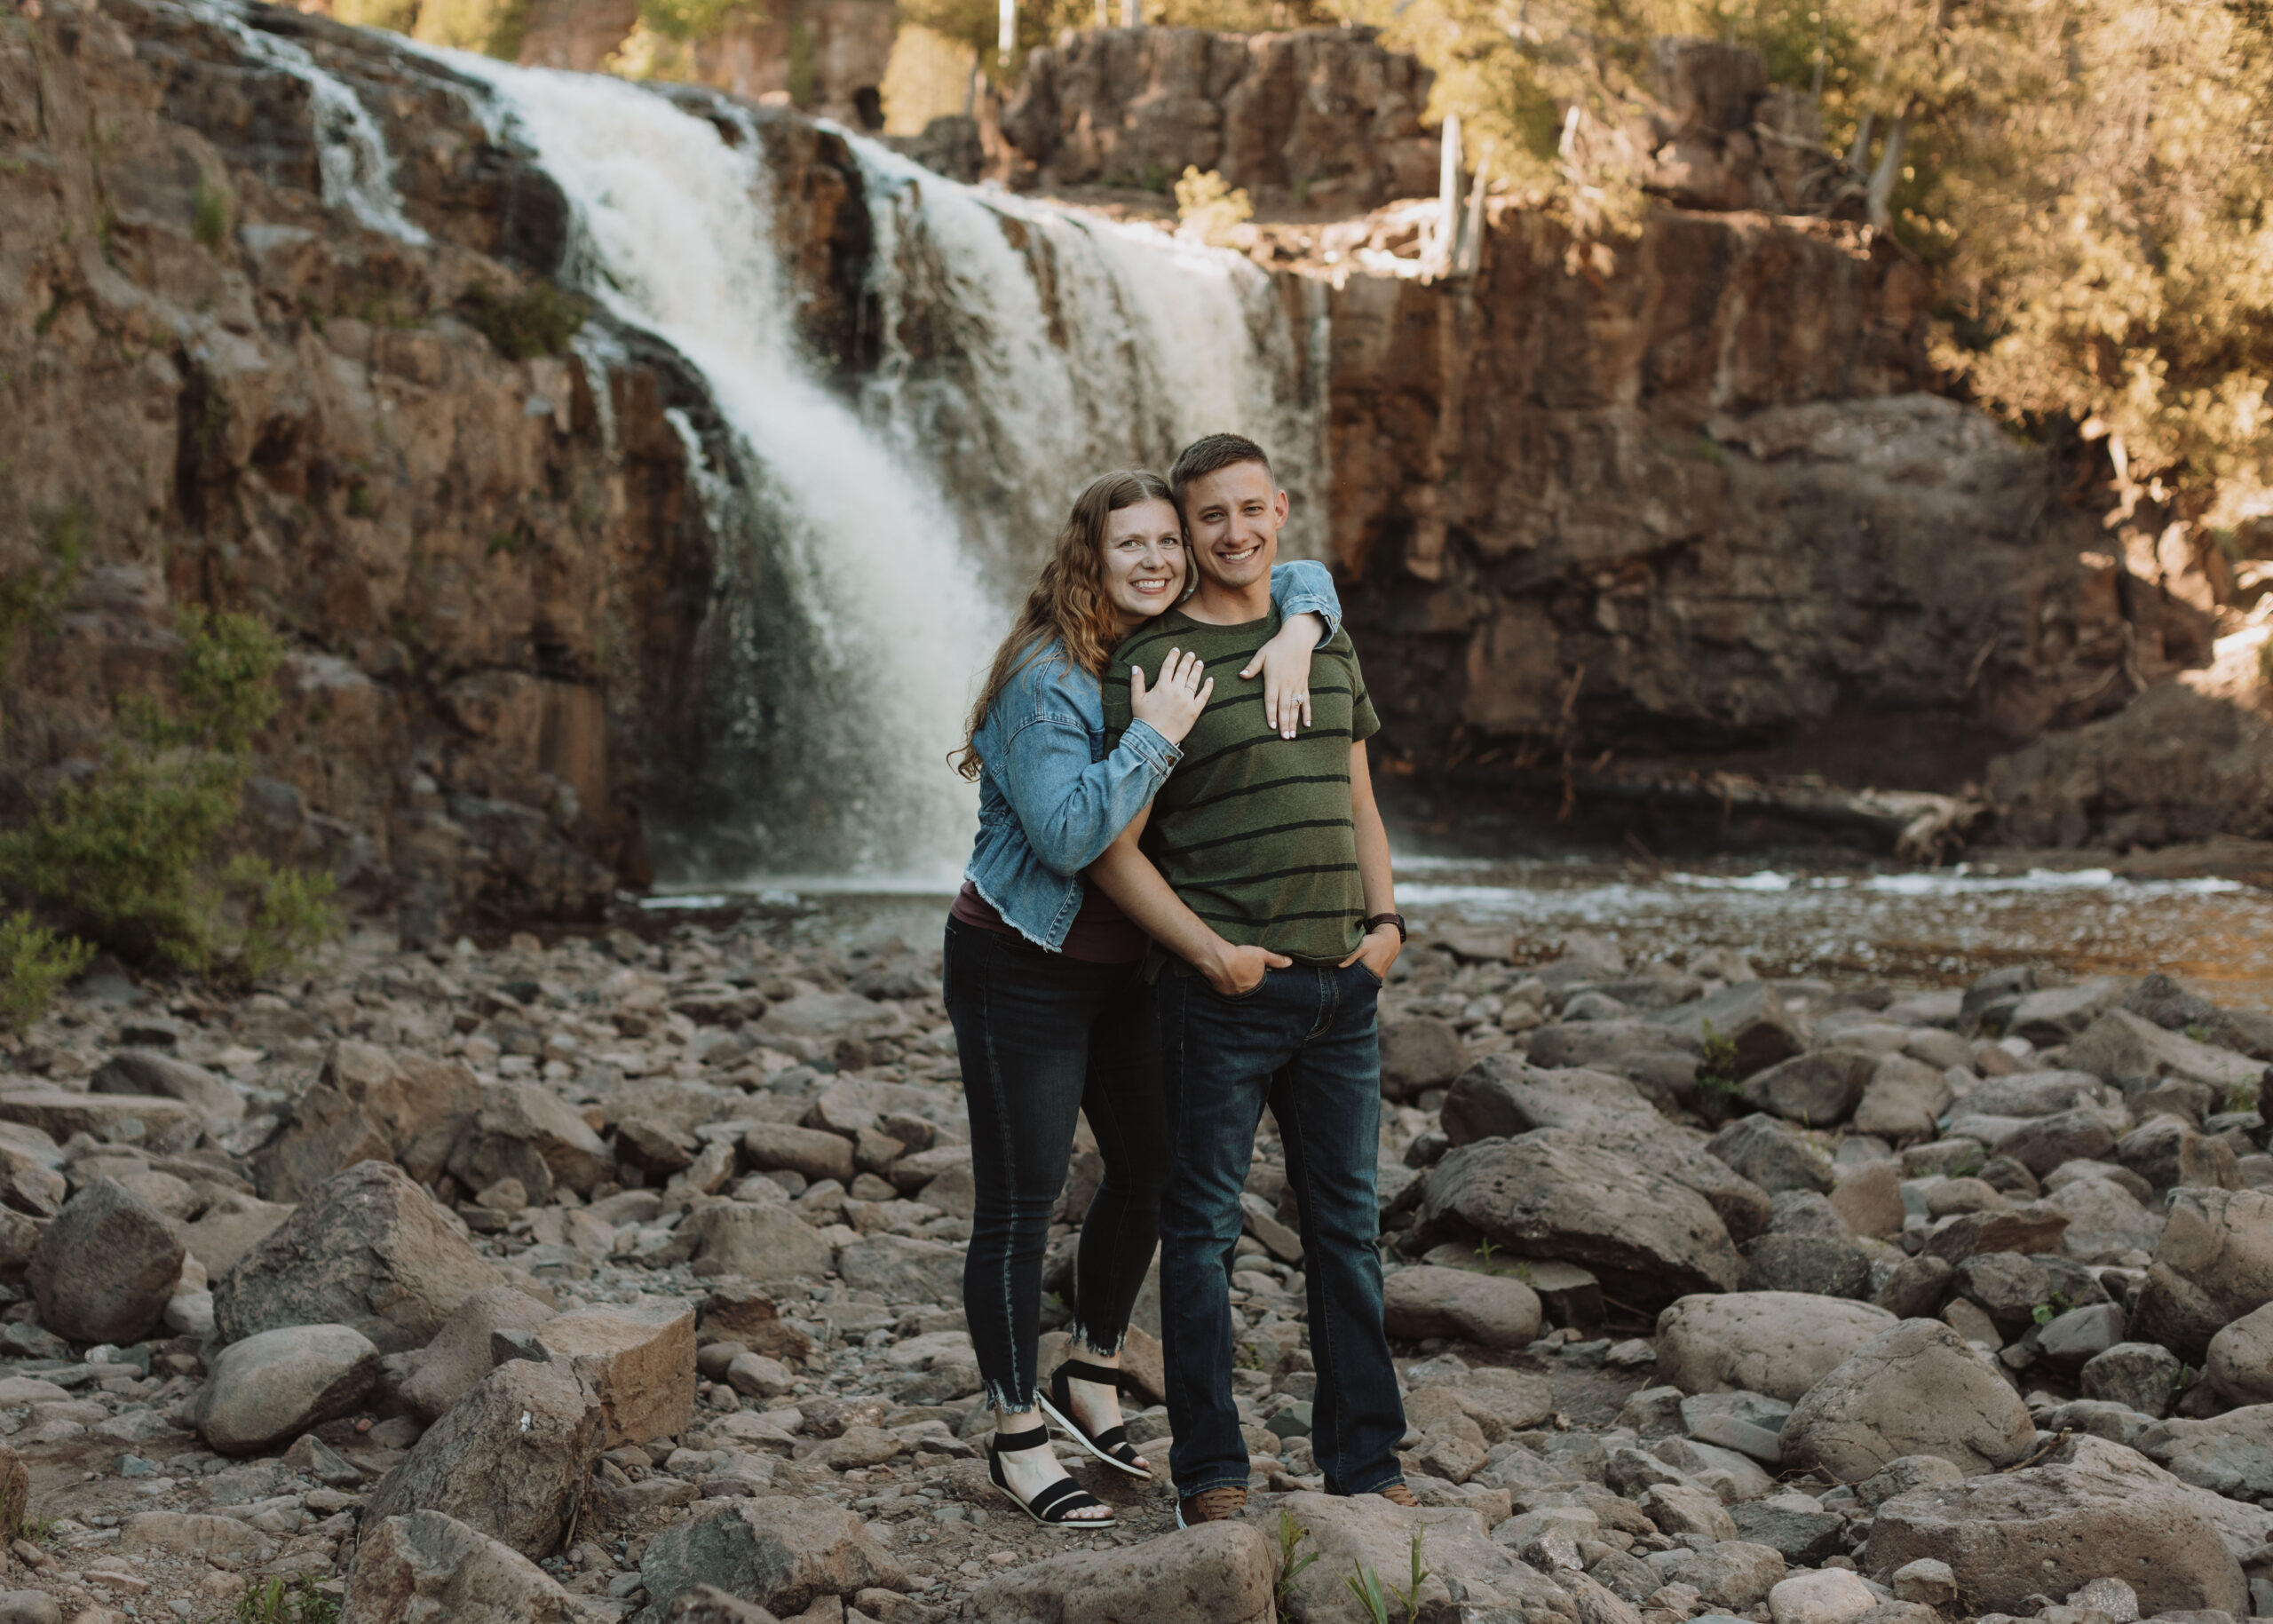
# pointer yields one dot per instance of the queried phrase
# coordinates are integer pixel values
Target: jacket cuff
(1310, 603)
(1152, 745)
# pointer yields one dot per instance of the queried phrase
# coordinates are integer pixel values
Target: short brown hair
(1212, 453)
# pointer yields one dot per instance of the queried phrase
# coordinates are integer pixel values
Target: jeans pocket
(1367, 970)
(1232, 997)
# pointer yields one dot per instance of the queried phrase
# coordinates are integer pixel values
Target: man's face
(1234, 515)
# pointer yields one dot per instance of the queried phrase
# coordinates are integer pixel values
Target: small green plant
(272, 1601)
(1366, 1586)
(358, 500)
(38, 1530)
(2242, 1097)
(1290, 1565)
(504, 541)
(1717, 1070)
(1967, 1166)
(2045, 1313)
(524, 326)
(1485, 1248)
(210, 215)
(2199, 1033)
(34, 961)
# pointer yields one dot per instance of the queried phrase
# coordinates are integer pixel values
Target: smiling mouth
(1157, 585)
(1239, 554)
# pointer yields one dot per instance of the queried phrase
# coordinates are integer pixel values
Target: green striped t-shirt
(1253, 830)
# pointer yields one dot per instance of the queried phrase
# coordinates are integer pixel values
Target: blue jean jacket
(1051, 798)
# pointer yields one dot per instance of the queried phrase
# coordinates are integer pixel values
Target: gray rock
(1218, 1571)
(2239, 1365)
(1816, 1090)
(2105, 1219)
(2037, 1229)
(2033, 1094)
(2214, 1264)
(29, 1607)
(275, 1385)
(1419, 1052)
(1346, 1530)
(425, 1565)
(525, 1131)
(2044, 1143)
(1803, 1212)
(1493, 1311)
(2070, 1339)
(2004, 1285)
(1803, 1538)
(1925, 1583)
(2056, 1014)
(368, 1249)
(2101, 1512)
(1806, 1263)
(103, 1270)
(813, 1152)
(1903, 1474)
(510, 1460)
(1748, 1015)
(783, 1554)
(1751, 1423)
(1916, 1388)
(2134, 1054)
(1551, 1194)
(1734, 1574)
(903, 1269)
(459, 1355)
(146, 1072)
(2230, 1454)
(757, 1241)
(1904, 1099)
(1502, 1095)
(1868, 1199)
(1763, 1151)
(1774, 1342)
(1916, 1288)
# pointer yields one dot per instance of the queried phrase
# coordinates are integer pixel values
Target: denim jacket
(1051, 799)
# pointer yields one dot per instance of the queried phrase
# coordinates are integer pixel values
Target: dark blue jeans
(1305, 1043)
(1042, 1039)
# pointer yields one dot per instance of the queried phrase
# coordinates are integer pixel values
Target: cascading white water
(352, 157)
(868, 550)
(1059, 345)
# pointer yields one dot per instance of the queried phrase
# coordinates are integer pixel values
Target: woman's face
(1144, 561)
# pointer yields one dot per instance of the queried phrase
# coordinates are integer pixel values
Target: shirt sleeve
(1303, 586)
(1363, 723)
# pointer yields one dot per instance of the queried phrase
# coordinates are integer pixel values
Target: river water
(1906, 928)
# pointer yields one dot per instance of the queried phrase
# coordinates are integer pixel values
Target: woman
(1051, 1013)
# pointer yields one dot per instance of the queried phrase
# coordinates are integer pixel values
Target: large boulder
(427, 1568)
(1224, 1573)
(1916, 1388)
(783, 1554)
(459, 1355)
(1778, 1342)
(2135, 1054)
(103, 1270)
(1816, 1090)
(1418, 1053)
(638, 1358)
(1772, 1156)
(146, 1071)
(2230, 1454)
(510, 1459)
(1492, 1310)
(367, 1249)
(1551, 1194)
(2104, 1220)
(2214, 1264)
(1748, 1017)
(369, 1104)
(758, 1241)
(266, 1390)
(2240, 1361)
(1903, 1100)
(1365, 1529)
(1502, 1095)
(2101, 1512)
(524, 1130)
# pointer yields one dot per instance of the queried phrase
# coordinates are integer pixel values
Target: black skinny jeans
(1042, 1037)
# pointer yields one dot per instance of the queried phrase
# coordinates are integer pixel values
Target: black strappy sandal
(1050, 1507)
(1110, 1446)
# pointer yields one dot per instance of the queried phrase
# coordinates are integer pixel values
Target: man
(1273, 842)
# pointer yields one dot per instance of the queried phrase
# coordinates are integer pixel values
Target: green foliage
(2199, 1033)
(131, 855)
(800, 75)
(492, 27)
(270, 1601)
(210, 215)
(2242, 1097)
(1717, 1070)
(523, 326)
(1290, 1565)
(1366, 1586)
(1485, 1248)
(30, 597)
(34, 962)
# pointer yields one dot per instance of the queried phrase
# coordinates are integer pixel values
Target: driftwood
(1916, 825)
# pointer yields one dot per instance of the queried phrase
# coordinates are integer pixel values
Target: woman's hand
(1232, 971)
(1285, 662)
(1172, 707)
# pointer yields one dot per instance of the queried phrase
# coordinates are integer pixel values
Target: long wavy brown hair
(1069, 605)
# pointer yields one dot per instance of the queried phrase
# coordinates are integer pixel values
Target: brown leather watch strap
(1403, 935)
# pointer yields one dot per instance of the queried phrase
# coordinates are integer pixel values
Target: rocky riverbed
(561, 1282)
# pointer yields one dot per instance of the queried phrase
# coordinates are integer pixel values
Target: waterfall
(869, 547)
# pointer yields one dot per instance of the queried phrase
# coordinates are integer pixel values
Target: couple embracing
(1178, 911)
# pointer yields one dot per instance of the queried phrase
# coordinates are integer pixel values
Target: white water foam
(351, 156)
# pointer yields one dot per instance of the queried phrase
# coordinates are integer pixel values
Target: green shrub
(269, 1601)
(210, 215)
(132, 854)
(30, 597)
(523, 326)
(34, 962)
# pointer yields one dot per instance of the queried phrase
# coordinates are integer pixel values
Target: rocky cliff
(491, 561)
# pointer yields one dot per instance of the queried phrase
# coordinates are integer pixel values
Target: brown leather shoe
(1397, 1495)
(1211, 1506)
